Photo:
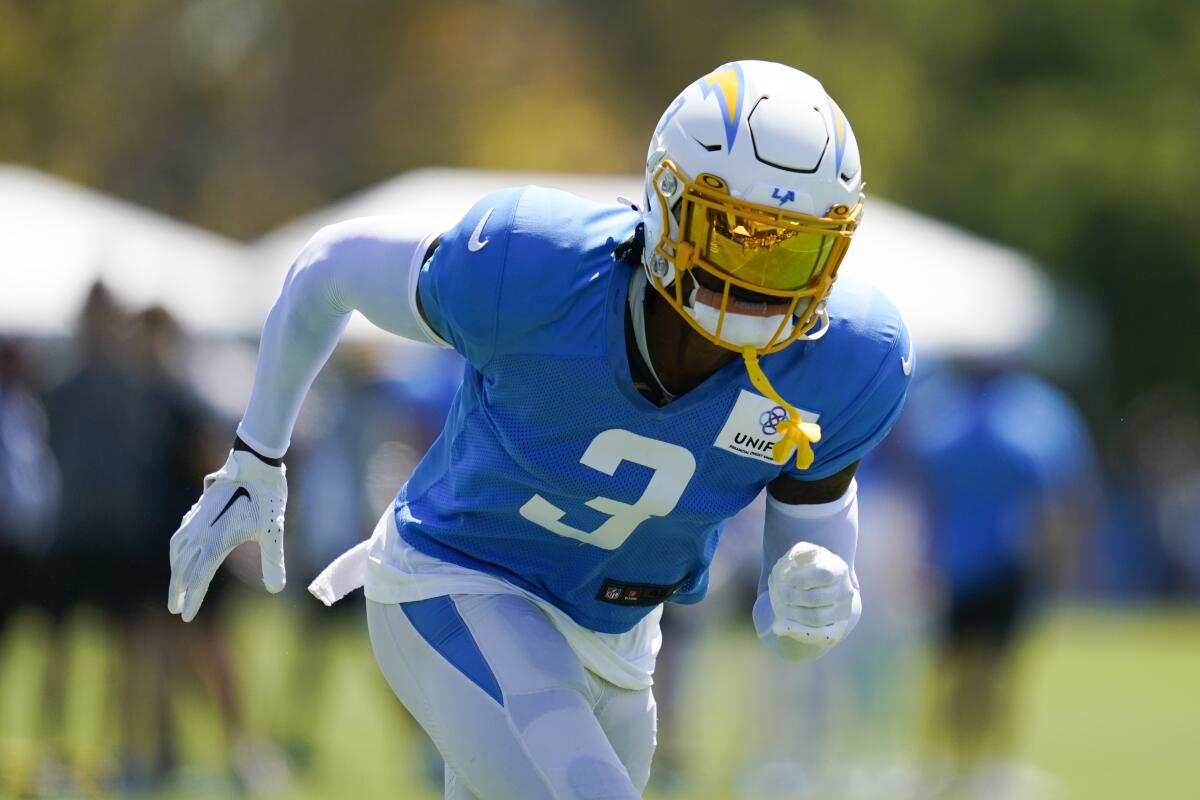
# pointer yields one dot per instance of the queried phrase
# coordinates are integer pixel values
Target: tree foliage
(1067, 129)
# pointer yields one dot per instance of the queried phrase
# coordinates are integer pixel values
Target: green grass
(1111, 703)
(1108, 704)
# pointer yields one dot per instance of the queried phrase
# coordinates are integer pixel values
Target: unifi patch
(752, 428)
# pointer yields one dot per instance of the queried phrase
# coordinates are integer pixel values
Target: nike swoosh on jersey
(475, 244)
(906, 362)
(239, 492)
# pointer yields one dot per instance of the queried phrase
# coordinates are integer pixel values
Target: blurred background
(1030, 553)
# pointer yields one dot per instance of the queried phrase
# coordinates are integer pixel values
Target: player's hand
(812, 595)
(242, 502)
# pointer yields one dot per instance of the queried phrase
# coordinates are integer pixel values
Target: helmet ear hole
(661, 269)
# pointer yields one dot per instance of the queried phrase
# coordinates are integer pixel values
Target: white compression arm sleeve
(833, 526)
(370, 265)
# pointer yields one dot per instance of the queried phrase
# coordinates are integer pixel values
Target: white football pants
(508, 704)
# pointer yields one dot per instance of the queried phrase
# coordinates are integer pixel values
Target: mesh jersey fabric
(526, 288)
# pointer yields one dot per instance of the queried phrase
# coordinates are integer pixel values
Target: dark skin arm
(794, 492)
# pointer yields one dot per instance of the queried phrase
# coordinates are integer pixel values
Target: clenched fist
(812, 593)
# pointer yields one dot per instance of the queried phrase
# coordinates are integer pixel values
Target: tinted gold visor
(748, 252)
(760, 246)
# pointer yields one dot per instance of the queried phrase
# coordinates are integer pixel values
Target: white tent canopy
(59, 238)
(440, 195)
(959, 293)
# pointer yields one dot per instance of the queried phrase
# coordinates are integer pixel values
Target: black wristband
(241, 446)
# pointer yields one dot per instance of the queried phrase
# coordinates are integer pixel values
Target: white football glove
(812, 593)
(242, 502)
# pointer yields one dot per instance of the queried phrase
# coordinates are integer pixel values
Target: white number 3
(673, 467)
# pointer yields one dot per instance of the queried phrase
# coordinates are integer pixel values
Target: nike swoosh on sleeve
(906, 362)
(475, 244)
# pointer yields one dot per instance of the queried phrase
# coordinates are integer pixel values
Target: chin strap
(798, 435)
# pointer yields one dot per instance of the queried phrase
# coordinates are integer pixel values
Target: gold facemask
(744, 247)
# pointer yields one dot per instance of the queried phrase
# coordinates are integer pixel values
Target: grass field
(1108, 707)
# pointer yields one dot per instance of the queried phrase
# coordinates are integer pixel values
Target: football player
(634, 377)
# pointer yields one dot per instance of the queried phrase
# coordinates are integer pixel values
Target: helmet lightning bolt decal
(839, 128)
(727, 83)
(670, 114)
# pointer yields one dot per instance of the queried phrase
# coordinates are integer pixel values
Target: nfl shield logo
(612, 593)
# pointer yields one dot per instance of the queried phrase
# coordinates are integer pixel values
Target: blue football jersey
(554, 472)
(995, 451)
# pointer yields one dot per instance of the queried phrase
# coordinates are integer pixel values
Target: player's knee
(526, 709)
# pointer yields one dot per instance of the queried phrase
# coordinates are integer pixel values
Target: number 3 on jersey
(673, 467)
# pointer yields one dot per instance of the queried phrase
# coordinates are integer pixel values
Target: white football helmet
(754, 187)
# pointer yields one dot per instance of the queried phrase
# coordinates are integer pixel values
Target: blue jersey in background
(996, 450)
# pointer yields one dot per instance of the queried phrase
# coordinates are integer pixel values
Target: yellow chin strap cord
(798, 435)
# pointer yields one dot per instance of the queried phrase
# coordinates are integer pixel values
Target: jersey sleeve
(459, 288)
(856, 431)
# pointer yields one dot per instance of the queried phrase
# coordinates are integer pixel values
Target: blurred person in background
(29, 494)
(1160, 439)
(178, 428)
(597, 337)
(129, 437)
(1008, 479)
(29, 481)
(91, 414)
(1147, 456)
